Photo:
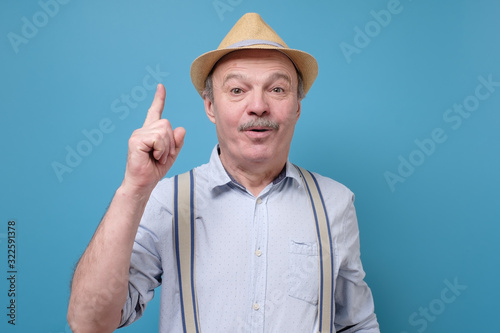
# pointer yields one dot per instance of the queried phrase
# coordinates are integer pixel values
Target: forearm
(100, 283)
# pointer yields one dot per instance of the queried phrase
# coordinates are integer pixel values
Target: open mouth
(259, 130)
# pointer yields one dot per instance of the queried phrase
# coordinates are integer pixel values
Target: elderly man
(246, 243)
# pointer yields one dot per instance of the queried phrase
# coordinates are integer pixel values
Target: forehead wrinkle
(275, 76)
(231, 76)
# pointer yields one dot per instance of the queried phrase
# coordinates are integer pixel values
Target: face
(255, 108)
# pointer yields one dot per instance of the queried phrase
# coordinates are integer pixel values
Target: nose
(258, 104)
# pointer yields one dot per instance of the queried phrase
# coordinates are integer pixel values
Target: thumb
(179, 134)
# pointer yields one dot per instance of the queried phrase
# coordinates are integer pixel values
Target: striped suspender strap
(184, 242)
(183, 231)
(325, 246)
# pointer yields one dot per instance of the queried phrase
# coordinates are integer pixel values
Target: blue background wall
(401, 112)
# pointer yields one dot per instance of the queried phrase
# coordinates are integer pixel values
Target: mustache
(259, 122)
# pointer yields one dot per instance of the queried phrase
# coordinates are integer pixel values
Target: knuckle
(134, 137)
(157, 136)
(161, 138)
(165, 123)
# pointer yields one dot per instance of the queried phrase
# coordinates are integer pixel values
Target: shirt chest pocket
(303, 274)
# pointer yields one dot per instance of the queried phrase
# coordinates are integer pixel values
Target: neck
(254, 177)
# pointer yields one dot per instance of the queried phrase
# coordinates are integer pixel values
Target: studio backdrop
(405, 112)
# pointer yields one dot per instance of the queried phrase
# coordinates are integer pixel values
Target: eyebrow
(231, 76)
(280, 75)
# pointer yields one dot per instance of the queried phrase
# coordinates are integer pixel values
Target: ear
(209, 108)
(299, 108)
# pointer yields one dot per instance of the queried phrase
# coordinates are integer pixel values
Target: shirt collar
(220, 177)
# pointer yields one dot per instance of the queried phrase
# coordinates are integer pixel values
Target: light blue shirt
(256, 257)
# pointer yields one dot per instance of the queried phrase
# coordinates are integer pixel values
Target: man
(258, 263)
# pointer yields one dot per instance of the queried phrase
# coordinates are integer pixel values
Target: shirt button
(259, 201)
(256, 306)
(258, 253)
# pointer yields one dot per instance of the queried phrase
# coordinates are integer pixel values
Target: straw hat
(251, 32)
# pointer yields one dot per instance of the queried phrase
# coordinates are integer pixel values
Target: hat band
(249, 42)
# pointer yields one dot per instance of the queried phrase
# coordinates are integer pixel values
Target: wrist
(132, 191)
(131, 197)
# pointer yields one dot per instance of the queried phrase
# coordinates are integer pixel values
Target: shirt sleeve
(354, 307)
(145, 264)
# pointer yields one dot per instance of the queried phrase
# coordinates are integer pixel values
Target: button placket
(260, 263)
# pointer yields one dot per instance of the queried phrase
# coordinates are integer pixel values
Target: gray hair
(209, 87)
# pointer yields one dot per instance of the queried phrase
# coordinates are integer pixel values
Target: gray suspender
(325, 246)
(183, 222)
(183, 230)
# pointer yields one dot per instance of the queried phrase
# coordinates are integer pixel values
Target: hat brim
(304, 62)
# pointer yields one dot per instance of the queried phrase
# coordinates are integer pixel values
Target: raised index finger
(156, 109)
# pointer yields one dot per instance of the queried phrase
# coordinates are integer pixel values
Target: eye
(278, 90)
(236, 91)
